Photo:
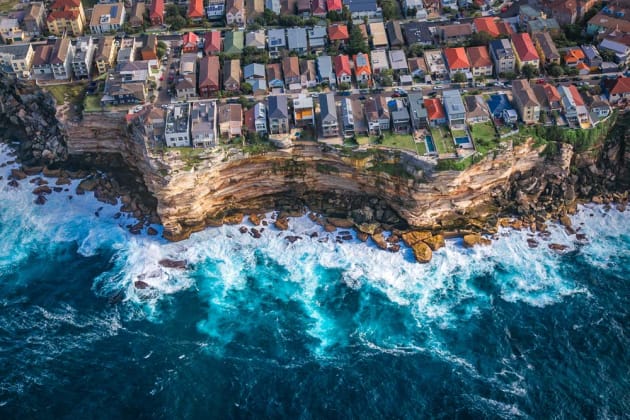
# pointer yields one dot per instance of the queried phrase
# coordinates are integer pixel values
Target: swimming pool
(461, 140)
(430, 145)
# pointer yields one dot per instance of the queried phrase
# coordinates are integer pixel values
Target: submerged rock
(282, 223)
(558, 247)
(168, 263)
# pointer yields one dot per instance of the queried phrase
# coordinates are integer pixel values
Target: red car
(161, 78)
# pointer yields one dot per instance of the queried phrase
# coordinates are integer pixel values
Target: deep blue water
(265, 328)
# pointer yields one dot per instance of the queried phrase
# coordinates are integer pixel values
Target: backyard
(7, 5)
(70, 92)
(484, 137)
(443, 140)
(395, 141)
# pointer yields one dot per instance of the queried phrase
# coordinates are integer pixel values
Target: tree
(529, 71)
(510, 75)
(356, 43)
(415, 50)
(389, 9)
(246, 88)
(555, 71)
(459, 77)
(480, 38)
(607, 55)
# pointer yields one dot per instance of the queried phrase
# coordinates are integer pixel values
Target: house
(497, 104)
(409, 6)
(10, 31)
(232, 75)
(195, 10)
(592, 57)
(256, 39)
(342, 68)
(235, 12)
(291, 70)
(480, 61)
(525, 52)
(212, 44)
(83, 57)
(487, 25)
(156, 12)
(378, 34)
(297, 40)
(398, 61)
(334, 5)
(276, 41)
(456, 61)
(61, 59)
(256, 118)
(188, 64)
(574, 108)
(177, 130)
(274, 75)
(509, 116)
(620, 50)
(259, 86)
(230, 118)
(34, 18)
(118, 93)
(455, 33)
(566, 11)
(154, 125)
(303, 111)
(308, 74)
(360, 9)
(278, 113)
(254, 71)
(454, 108)
(40, 67)
(318, 8)
(136, 18)
(546, 48)
(525, 101)
(317, 38)
(215, 9)
(203, 124)
(476, 109)
(574, 56)
(400, 118)
(377, 115)
(436, 65)
(603, 23)
(502, 55)
(186, 87)
(417, 111)
(274, 6)
(379, 61)
(209, 68)
(618, 89)
(422, 33)
(233, 42)
(347, 117)
(127, 51)
(550, 25)
(338, 33)
(325, 73)
(394, 34)
(149, 50)
(190, 42)
(599, 108)
(417, 67)
(107, 17)
(105, 54)
(328, 120)
(548, 97)
(66, 16)
(527, 13)
(362, 70)
(435, 112)
(303, 7)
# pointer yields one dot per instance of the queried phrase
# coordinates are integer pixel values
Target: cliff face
(191, 189)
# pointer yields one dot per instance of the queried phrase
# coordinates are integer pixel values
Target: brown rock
(581, 237)
(565, 221)
(13, 183)
(168, 263)
(282, 223)
(32, 170)
(17, 174)
(422, 252)
(43, 189)
(88, 184)
(63, 181)
(51, 173)
(393, 239)
(330, 228)
(558, 247)
(516, 224)
(233, 219)
(532, 243)
(41, 200)
(340, 223)
(394, 248)
(413, 237)
(139, 284)
(151, 231)
(474, 239)
(243, 229)
(362, 236)
(255, 233)
(435, 242)
(255, 219)
(369, 228)
(292, 238)
(379, 240)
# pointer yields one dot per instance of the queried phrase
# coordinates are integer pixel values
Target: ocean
(266, 328)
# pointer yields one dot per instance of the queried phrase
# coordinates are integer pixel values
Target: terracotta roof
(505, 28)
(291, 67)
(341, 64)
(524, 47)
(209, 71)
(42, 55)
(479, 56)
(621, 86)
(487, 25)
(157, 9)
(577, 98)
(63, 14)
(250, 119)
(573, 55)
(338, 32)
(195, 9)
(212, 42)
(552, 93)
(361, 64)
(582, 66)
(190, 38)
(274, 71)
(456, 58)
(62, 4)
(334, 5)
(435, 110)
(456, 30)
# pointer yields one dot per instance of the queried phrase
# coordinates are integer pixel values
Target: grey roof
(254, 70)
(400, 114)
(278, 107)
(418, 32)
(324, 66)
(297, 38)
(591, 52)
(398, 60)
(18, 51)
(317, 36)
(328, 108)
(416, 105)
(452, 101)
(276, 38)
(361, 5)
(501, 48)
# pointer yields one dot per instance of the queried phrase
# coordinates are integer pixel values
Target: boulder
(379, 240)
(32, 170)
(40, 200)
(413, 237)
(474, 239)
(51, 173)
(255, 233)
(292, 238)
(558, 247)
(233, 219)
(369, 228)
(394, 248)
(63, 181)
(139, 284)
(565, 221)
(532, 243)
(168, 263)
(13, 183)
(88, 184)
(330, 228)
(151, 231)
(422, 252)
(362, 236)
(243, 229)
(42, 189)
(17, 174)
(340, 223)
(282, 223)
(435, 242)
(255, 219)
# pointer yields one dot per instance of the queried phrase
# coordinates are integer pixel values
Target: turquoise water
(430, 144)
(310, 329)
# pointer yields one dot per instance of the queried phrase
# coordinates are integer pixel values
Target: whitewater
(267, 327)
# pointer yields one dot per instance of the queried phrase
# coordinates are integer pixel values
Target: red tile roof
(195, 9)
(156, 10)
(479, 56)
(524, 47)
(190, 38)
(505, 28)
(577, 98)
(338, 32)
(342, 65)
(487, 25)
(552, 93)
(334, 5)
(62, 4)
(212, 43)
(621, 86)
(362, 64)
(435, 110)
(63, 14)
(574, 55)
(456, 58)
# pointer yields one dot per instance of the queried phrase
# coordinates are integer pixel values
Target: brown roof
(274, 71)
(230, 113)
(456, 30)
(137, 12)
(475, 106)
(609, 22)
(479, 56)
(291, 67)
(60, 51)
(42, 55)
(547, 46)
(105, 46)
(232, 69)
(209, 71)
(621, 86)
(523, 90)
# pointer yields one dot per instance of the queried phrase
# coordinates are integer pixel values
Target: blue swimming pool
(462, 140)
(430, 145)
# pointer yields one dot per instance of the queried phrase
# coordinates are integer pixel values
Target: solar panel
(113, 11)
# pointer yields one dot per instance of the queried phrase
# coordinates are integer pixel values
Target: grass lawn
(443, 140)
(92, 103)
(363, 140)
(72, 93)
(7, 5)
(458, 133)
(484, 137)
